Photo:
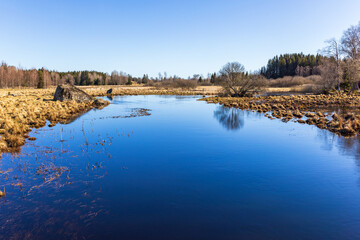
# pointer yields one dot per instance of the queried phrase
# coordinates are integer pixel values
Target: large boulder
(68, 92)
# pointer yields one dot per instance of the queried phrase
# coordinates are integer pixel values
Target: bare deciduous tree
(329, 74)
(350, 46)
(331, 67)
(351, 42)
(237, 83)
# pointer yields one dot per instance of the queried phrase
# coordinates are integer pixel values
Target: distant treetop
(295, 64)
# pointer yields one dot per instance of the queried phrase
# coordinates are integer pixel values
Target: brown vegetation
(175, 84)
(2, 193)
(294, 81)
(316, 109)
(238, 83)
(23, 110)
(147, 90)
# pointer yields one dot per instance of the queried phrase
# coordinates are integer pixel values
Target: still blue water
(190, 170)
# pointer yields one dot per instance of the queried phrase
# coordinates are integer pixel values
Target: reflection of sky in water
(181, 174)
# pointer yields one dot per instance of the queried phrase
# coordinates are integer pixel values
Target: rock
(68, 92)
(100, 103)
(109, 91)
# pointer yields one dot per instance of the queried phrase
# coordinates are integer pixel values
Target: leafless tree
(350, 46)
(331, 67)
(329, 74)
(351, 42)
(55, 78)
(68, 78)
(352, 72)
(237, 83)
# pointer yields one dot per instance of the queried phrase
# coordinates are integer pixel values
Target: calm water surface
(190, 170)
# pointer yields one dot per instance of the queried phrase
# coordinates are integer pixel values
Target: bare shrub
(237, 83)
(294, 81)
(310, 88)
(174, 83)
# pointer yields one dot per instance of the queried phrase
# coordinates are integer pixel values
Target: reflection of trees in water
(230, 118)
(347, 146)
(327, 139)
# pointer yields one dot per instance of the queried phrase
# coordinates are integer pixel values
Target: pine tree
(129, 82)
(41, 78)
(145, 79)
(213, 78)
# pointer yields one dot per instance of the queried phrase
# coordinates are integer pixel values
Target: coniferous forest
(296, 64)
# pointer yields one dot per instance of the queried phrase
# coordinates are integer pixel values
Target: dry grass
(314, 107)
(294, 81)
(297, 84)
(147, 90)
(22, 110)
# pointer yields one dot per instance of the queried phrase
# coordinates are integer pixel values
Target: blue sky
(179, 37)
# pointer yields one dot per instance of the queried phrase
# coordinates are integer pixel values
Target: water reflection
(347, 146)
(129, 177)
(230, 118)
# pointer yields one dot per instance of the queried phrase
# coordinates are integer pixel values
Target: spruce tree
(41, 78)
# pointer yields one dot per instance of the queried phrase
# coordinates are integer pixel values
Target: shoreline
(20, 114)
(336, 113)
(22, 110)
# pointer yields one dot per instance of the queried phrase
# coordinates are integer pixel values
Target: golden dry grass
(24, 109)
(315, 107)
(145, 90)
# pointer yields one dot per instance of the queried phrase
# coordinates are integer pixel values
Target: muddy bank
(337, 113)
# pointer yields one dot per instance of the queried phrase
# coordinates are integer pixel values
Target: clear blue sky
(180, 37)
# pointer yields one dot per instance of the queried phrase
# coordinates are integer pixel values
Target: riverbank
(337, 113)
(23, 110)
(96, 91)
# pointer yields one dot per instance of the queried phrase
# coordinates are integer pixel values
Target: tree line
(295, 64)
(338, 64)
(341, 68)
(13, 77)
